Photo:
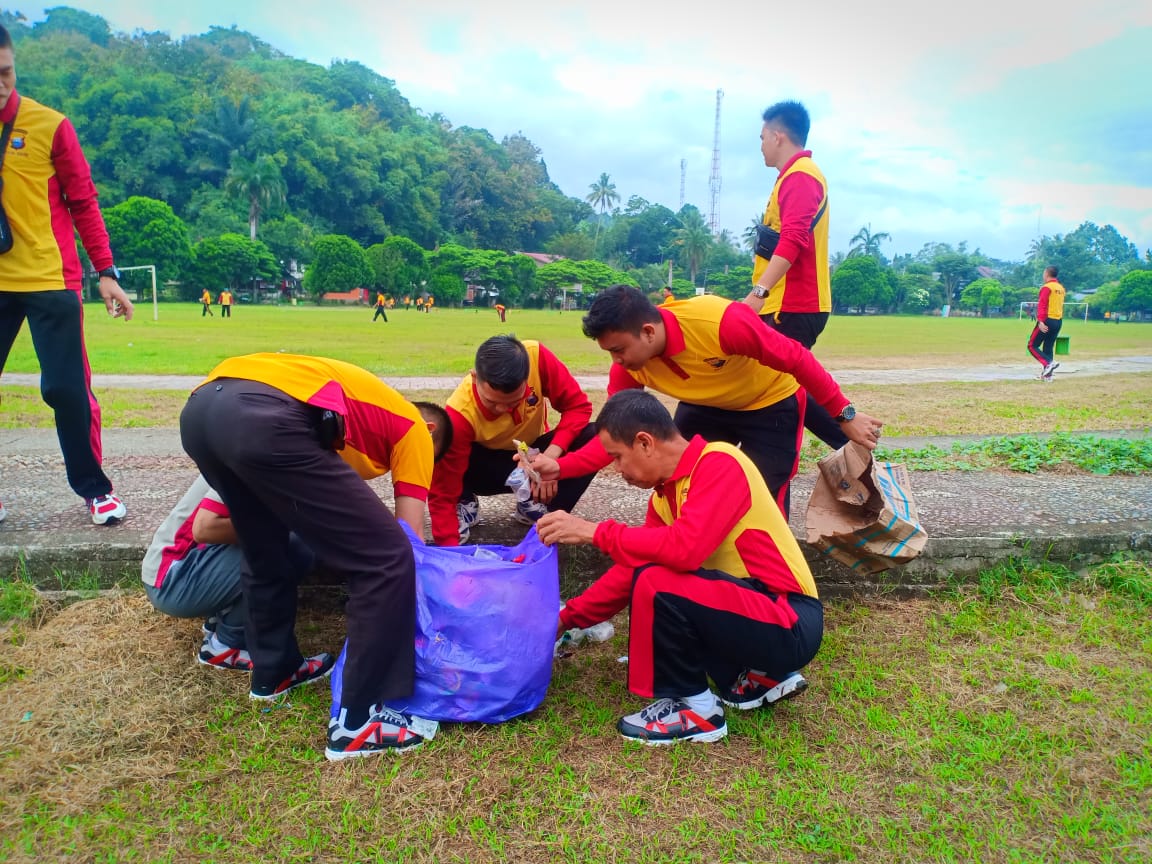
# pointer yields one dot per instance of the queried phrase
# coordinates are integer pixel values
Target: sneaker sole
(220, 666)
(709, 737)
(791, 693)
(342, 755)
(259, 698)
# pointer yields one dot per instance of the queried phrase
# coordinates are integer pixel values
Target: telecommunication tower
(714, 181)
(683, 172)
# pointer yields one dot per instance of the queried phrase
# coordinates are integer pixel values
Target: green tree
(864, 242)
(338, 265)
(230, 259)
(447, 288)
(399, 265)
(693, 241)
(289, 239)
(146, 231)
(859, 282)
(602, 195)
(257, 182)
(982, 294)
(1134, 293)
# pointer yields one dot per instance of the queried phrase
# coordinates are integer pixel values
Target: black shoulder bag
(5, 228)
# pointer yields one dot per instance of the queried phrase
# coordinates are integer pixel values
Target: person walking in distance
(1049, 318)
(380, 307)
(47, 193)
(206, 304)
(225, 303)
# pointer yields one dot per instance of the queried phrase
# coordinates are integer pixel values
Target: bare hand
(864, 430)
(545, 490)
(547, 467)
(115, 300)
(561, 526)
(1043, 327)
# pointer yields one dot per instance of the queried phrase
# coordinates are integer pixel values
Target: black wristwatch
(110, 273)
(847, 414)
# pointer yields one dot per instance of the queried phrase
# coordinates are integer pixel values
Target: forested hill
(180, 120)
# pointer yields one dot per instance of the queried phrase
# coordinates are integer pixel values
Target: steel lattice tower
(714, 181)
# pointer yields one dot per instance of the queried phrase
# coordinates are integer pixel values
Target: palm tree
(866, 243)
(259, 182)
(750, 233)
(694, 240)
(602, 194)
(224, 137)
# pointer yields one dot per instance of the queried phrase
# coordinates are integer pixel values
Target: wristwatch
(110, 273)
(847, 414)
(760, 292)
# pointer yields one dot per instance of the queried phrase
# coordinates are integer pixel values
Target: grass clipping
(104, 684)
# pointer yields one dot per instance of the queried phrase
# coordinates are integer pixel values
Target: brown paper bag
(862, 513)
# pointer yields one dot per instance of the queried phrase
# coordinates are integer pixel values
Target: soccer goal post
(1029, 307)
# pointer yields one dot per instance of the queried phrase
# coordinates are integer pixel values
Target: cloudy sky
(992, 121)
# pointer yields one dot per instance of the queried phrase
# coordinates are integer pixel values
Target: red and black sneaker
(312, 669)
(216, 654)
(385, 731)
(752, 690)
(667, 721)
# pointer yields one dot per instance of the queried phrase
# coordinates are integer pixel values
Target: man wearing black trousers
(287, 441)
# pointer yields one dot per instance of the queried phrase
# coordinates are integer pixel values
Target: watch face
(848, 413)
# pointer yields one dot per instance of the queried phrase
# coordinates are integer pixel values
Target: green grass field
(443, 343)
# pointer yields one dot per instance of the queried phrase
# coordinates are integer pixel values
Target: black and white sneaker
(752, 690)
(385, 731)
(312, 669)
(216, 654)
(667, 721)
(467, 514)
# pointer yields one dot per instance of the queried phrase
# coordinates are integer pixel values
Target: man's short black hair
(5, 37)
(792, 118)
(502, 363)
(1052, 269)
(619, 309)
(632, 411)
(443, 428)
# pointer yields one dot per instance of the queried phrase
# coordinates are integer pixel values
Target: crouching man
(716, 583)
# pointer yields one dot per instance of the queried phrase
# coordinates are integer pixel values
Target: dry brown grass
(940, 729)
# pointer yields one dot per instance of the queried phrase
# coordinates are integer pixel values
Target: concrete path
(973, 519)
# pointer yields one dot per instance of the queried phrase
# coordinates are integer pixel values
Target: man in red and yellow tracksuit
(288, 441)
(1049, 319)
(717, 585)
(47, 195)
(505, 398)
(791, 281)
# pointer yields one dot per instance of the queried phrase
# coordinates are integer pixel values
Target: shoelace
(384, 714)
(658, 710)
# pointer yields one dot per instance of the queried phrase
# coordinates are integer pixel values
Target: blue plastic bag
(485, 631)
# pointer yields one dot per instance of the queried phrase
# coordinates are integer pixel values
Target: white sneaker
(386, 731)
(107, 510)
(527, 512)
(667, 721)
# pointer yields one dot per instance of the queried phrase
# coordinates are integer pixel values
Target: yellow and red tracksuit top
(549, 381)
(173, 540)
(714, 512)
(383, 430)
(798, 209)
(1051, 301)
(225, 298)
(718, 353)
(48, 189)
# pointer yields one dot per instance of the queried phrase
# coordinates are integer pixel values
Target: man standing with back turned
(47, 191)
(791, 284)
(1049, 319)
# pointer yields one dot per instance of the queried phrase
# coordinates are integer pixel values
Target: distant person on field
(206, 304)
(225, 303)
(501, 311)
(419, 304)
(791, 282)
(505, 398)
(380, 305)
(716, 584)
(666, 295)
(1049, 318)
(429, 303)
(311, 432)
(47, 194)
(192, 570)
